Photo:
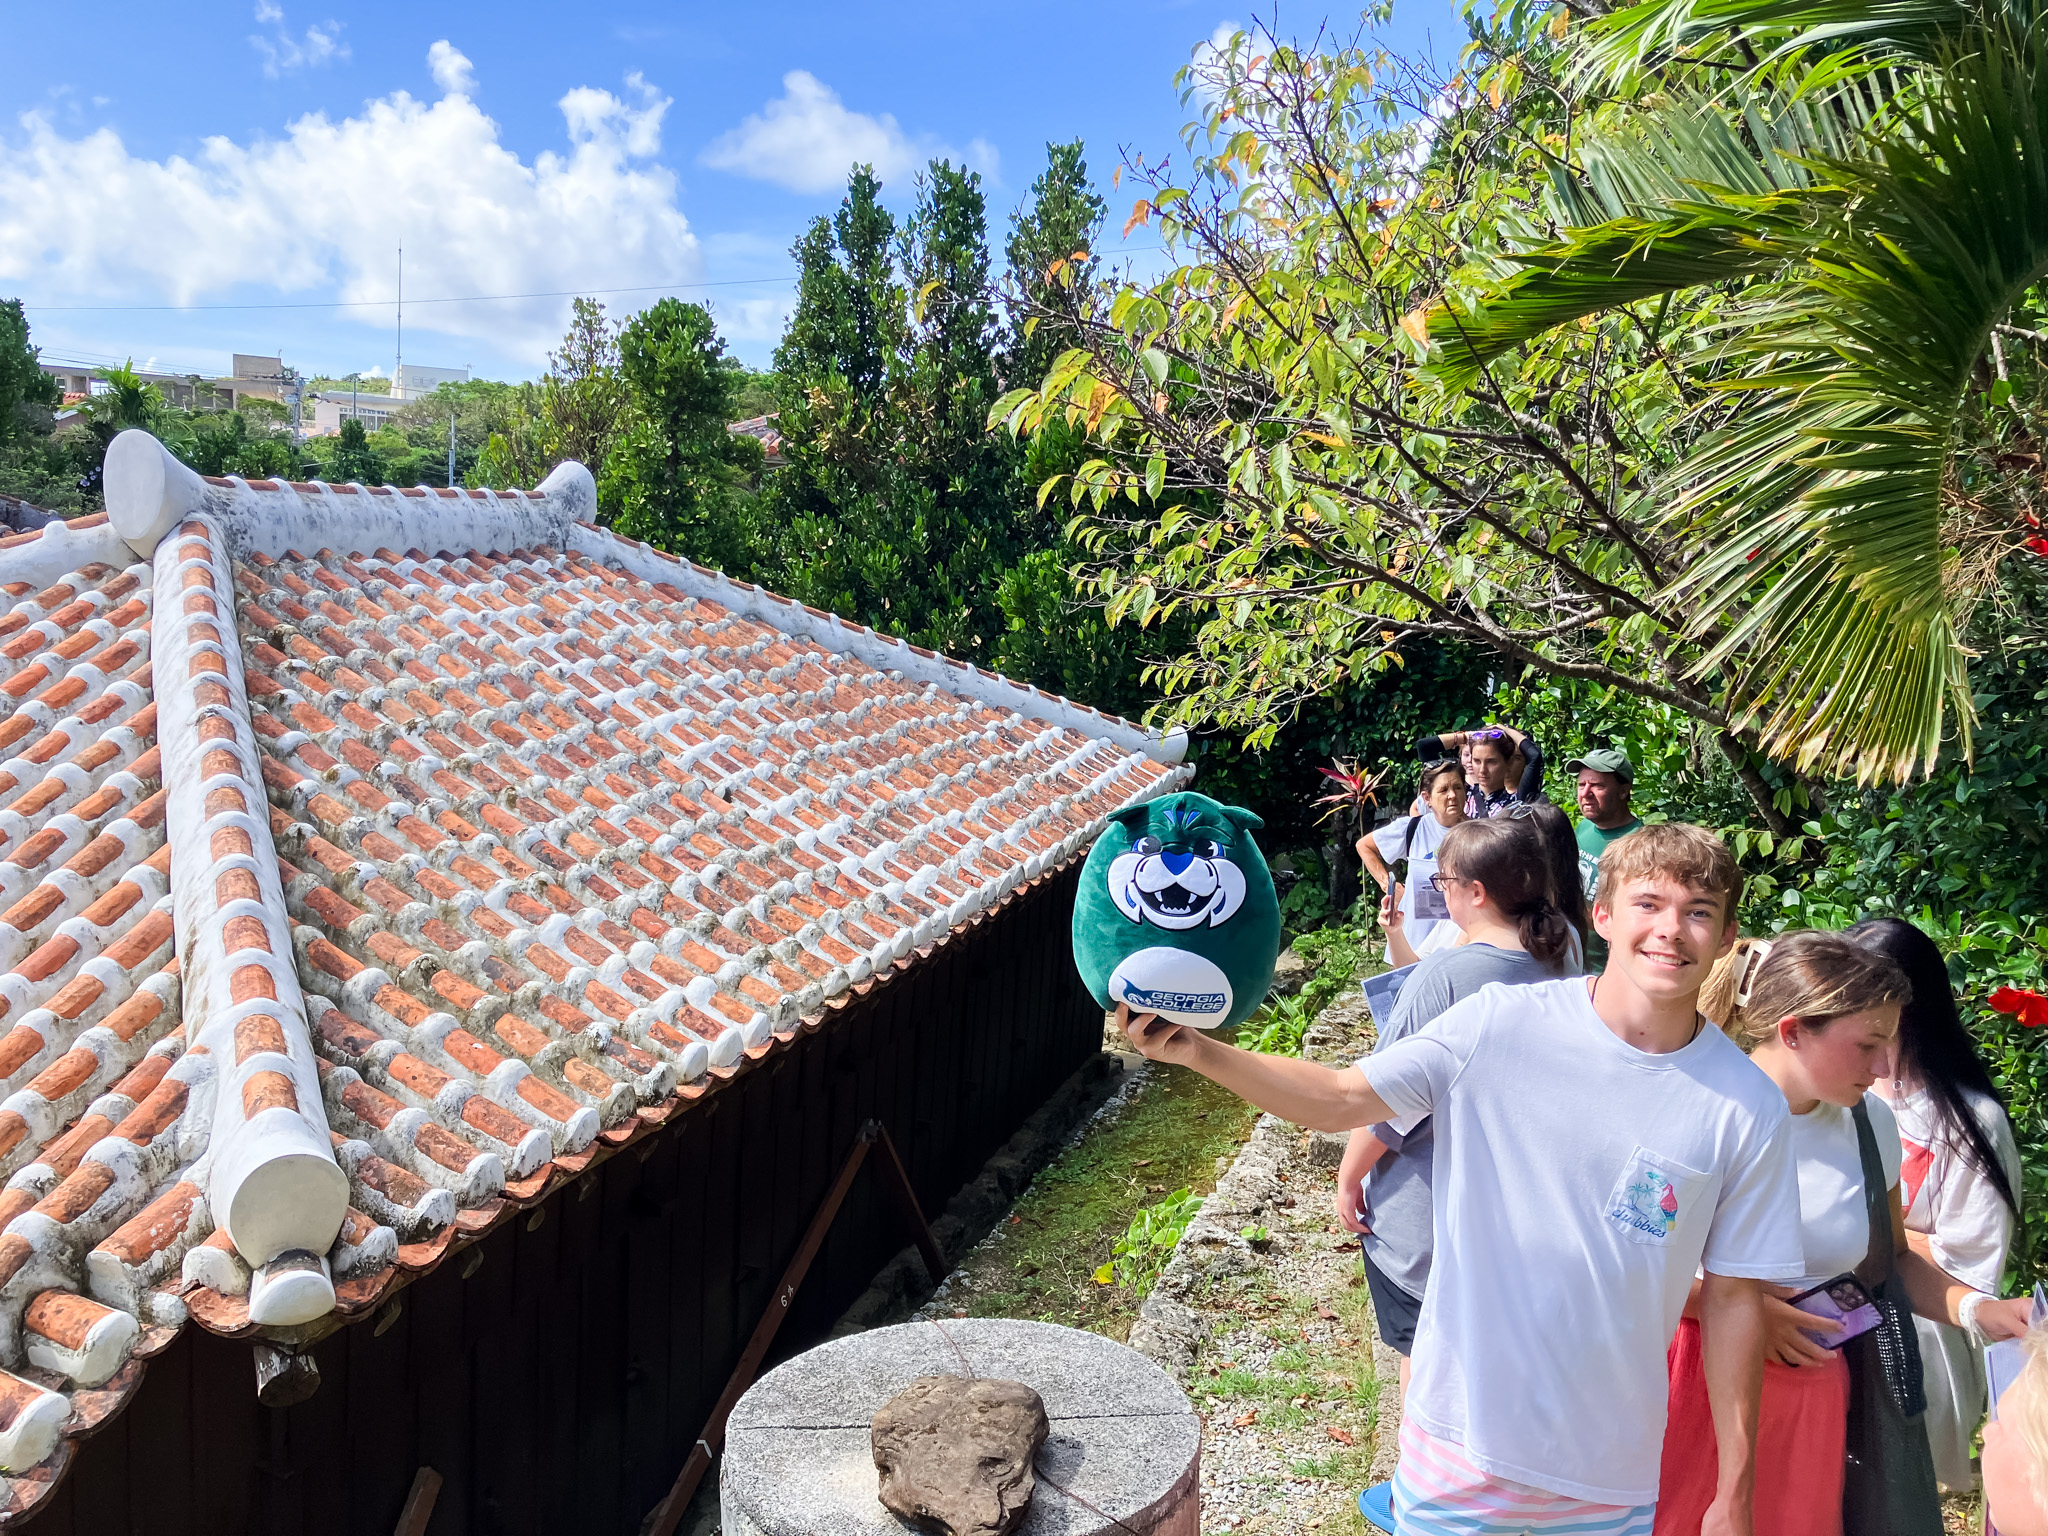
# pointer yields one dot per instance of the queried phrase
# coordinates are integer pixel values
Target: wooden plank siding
(558, 1387)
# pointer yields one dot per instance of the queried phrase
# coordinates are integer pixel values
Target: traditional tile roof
(508, 839)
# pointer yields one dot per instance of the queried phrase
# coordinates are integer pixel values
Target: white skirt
(1956, 1399)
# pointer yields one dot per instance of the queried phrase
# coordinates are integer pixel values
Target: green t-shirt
(1593, 842)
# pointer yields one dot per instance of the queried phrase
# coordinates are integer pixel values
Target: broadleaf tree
(1276, 458)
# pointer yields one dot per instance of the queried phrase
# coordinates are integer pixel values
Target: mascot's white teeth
(1175, 890)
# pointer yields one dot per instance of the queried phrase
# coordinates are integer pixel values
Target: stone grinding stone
(955, 1453)
(799, 1455)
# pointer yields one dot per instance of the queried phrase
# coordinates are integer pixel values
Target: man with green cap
(1606, 780)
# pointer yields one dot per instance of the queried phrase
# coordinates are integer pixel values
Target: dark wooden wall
(558, 1387)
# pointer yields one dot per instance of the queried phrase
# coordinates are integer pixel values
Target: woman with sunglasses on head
(1414, 914)
(1489, 754)
(1960, 1183)
(1819, 1013)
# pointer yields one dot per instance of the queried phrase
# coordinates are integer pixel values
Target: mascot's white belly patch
(1173, 983)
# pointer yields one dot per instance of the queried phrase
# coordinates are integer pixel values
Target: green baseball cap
(1605, 760)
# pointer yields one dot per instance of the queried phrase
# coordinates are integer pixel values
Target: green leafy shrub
(1279, 1026)
(1334, 956)
(1141, 1253)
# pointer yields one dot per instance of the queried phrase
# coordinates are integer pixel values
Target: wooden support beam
(662, 1521)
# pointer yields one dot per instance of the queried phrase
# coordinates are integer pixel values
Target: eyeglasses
(1444, 882)
(1521, 810)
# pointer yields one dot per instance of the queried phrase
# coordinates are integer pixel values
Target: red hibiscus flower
(2030, 1008)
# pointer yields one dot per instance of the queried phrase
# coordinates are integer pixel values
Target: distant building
(260, 378)
(334, 406)
(770, 434)
(414, 380)
(254, 378)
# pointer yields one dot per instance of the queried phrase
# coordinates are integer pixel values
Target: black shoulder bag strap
(1888, 1486)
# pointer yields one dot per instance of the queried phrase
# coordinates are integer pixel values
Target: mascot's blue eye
(1147, 844)
(1205, 847)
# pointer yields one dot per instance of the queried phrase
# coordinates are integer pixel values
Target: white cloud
(283, 53)
(757, 319)
(1211, 63)
(807, 140)
(323, 209)
(452, 69)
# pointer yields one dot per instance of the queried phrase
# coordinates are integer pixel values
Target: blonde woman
(1819, 1014)
(2016, 1449)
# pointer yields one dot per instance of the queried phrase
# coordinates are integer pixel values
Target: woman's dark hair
(1508, 859)
(1935, 1051)
(1431, 772)
(1561, 856)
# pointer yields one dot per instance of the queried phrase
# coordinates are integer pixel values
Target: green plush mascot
(1176, 914)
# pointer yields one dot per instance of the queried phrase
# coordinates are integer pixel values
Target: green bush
(1141, 1253)
(1335, 956)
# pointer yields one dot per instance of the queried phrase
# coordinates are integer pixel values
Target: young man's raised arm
(1732, 1360)
(1301, 1092)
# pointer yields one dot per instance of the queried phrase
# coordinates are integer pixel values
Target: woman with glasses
(1561, 858)
(1493, 881)
(1413, 911)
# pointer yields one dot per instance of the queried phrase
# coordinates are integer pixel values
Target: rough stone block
(955, 1453)
(1326, 1148)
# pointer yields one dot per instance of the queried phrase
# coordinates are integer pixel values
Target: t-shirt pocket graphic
(1652, 1196)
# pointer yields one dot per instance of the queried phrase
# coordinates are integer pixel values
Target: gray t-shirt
(1398, 1204)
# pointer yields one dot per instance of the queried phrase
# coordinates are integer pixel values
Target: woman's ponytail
(1545, 933)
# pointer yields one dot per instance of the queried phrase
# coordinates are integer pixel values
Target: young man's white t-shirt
(1422, 904)
(1579, 1185)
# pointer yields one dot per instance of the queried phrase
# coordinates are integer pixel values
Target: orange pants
(1799, 1446)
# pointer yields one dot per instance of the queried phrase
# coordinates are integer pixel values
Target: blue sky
(271, 153)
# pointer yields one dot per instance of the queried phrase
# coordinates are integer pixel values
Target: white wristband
(1966, 1318)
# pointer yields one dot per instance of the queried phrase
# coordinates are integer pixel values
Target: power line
(471, 298)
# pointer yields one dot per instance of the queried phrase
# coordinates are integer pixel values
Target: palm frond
(1751, 34)
(1822, 514)
(1661, 201)
(1881, 237)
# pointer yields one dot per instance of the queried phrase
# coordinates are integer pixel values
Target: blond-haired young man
(1597, 1143)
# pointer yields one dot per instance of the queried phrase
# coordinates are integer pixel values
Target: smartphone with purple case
(1843, 1299)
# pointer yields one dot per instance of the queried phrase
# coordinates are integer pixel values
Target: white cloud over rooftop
(321, 211)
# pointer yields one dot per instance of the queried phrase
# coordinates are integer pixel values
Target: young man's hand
(1155, 1039)
(1786, 1330)
(1729, 1516)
